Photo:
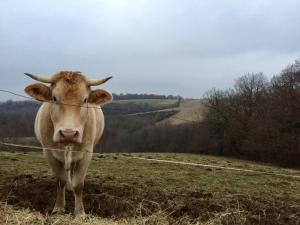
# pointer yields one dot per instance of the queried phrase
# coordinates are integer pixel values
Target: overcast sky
(174, 47)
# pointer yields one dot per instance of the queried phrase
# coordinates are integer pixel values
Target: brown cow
(70, 119)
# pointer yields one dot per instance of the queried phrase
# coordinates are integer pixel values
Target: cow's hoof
(58, 210)
(80, 215)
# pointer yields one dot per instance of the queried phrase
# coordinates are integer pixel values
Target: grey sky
(150, 46)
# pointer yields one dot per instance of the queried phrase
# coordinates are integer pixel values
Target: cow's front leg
(78, 175)
(61, 175)
(79, 208)
(60, 198)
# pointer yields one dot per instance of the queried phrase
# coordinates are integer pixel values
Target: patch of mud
(119, 201)
(29, 192)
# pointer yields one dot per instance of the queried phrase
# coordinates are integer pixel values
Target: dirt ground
(124, 201)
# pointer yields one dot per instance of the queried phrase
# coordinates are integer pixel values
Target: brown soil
(104, 199)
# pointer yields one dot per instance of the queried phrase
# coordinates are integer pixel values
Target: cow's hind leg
(79, 169)
(61, 175)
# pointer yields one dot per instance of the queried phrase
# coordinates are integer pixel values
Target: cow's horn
(98, 81)
(39, 78)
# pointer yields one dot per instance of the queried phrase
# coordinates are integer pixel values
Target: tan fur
(69, 77)
(69, 167)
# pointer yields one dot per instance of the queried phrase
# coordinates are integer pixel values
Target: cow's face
(70, 96)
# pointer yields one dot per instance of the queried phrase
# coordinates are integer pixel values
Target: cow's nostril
(61, 133)
(76, 133)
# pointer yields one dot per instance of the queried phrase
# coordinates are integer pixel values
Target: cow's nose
(68, 133)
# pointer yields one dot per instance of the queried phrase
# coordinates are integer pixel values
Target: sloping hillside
(190, 110)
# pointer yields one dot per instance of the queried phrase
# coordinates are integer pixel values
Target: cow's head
(70, 96)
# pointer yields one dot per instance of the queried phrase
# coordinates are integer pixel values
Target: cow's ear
(39, 92)
(100, 96)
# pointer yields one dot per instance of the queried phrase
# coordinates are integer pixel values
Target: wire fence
(52, 102)
(161, 161)
(95, 107)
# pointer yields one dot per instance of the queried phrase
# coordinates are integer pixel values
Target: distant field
(188, 110)
(153, 102)
(123, 190)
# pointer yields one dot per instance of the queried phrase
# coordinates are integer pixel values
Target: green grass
(182, 192)
(127, 170)
(181, 176)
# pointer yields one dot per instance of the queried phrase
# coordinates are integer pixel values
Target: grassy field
(152, 102)
(123, 190)
(188, 110)
(192, 109)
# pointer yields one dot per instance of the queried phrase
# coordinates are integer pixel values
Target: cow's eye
(85, 100)
(54, 99)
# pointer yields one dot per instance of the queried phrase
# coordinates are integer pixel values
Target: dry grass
(189, 109)
(12, 216)
(192, 110)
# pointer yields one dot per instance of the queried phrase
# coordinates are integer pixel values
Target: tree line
(258, 119)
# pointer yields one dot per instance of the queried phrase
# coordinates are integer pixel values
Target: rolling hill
(190, 110)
